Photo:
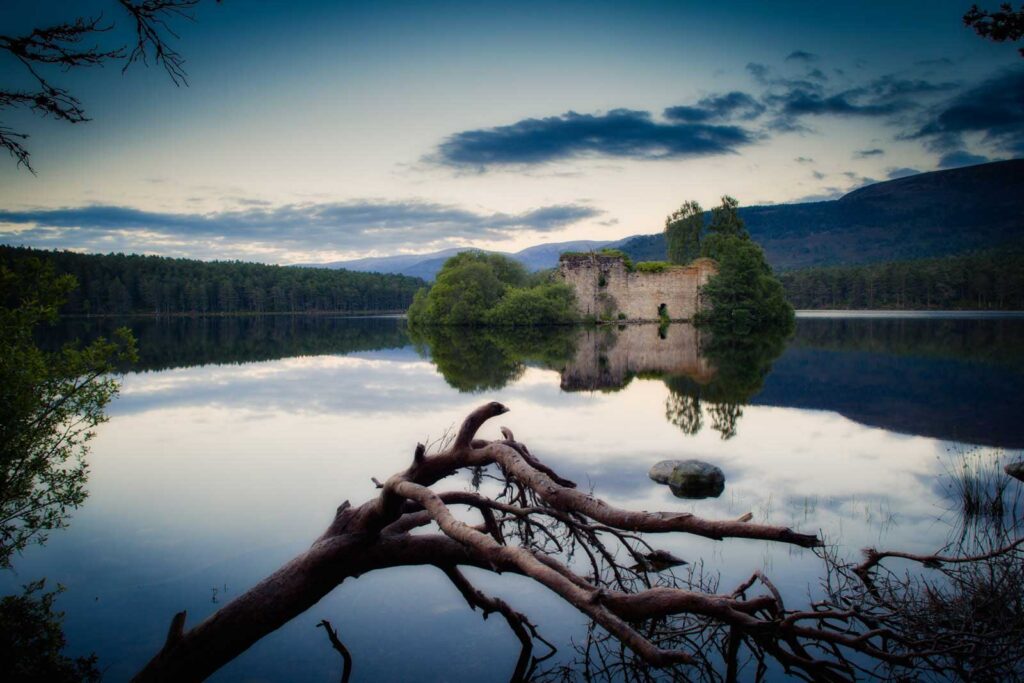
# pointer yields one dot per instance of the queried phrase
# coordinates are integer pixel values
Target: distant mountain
(924, 215)
(426, 265)
(383, 264)
(929, 214)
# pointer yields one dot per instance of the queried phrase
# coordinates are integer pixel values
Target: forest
(991, 279)
(116, 284)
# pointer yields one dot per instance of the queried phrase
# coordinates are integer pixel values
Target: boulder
(693, 479)
(1015, 469)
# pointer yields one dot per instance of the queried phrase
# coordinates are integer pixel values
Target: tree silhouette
(79, 43)
(1004, 24)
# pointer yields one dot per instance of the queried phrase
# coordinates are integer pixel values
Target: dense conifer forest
(117, 284)
(992, 279)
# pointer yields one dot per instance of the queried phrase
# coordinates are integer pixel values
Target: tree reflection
(482, 359)
(172, 342)
(741, 365)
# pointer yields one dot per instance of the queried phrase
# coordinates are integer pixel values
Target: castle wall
(606, 290)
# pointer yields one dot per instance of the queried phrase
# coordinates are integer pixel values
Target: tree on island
(490, 290)
(683, 232)
(744, 296)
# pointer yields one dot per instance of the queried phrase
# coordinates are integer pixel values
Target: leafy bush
(32, 640)
(477, 289)
(550, 304)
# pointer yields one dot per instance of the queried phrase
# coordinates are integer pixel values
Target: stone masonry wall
(605, 289)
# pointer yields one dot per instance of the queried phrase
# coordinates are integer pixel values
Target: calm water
(235, 439)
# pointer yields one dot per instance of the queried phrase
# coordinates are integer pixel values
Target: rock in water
(692, 479)
(1015, 469)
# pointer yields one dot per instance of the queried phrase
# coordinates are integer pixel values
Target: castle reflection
(609, 358)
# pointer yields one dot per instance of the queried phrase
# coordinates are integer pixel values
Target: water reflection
(609, 358)
(709, 374)
(948, 379)
(481, 359)
(213, 476)
(954, 379)
(166, 343)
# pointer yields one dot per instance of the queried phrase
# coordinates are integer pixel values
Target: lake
(234, 440)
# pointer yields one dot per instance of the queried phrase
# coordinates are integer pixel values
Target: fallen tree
(533, 527)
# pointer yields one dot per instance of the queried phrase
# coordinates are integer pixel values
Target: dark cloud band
(620, 133)
(994, 108)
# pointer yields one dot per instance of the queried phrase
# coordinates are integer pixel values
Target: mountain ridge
(936, 213)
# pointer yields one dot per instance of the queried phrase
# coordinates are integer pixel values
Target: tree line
(992, 279)
(116, 284)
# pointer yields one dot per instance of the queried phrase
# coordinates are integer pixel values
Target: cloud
(959, 158)
(619, 133)
(764, 75)
(718, 108)
(901, 172)
(799, 102)
(760, 72)
(865, 153)
(801, 56)
(994, 108)
(289, 229)
(790, 100)
(892, 86)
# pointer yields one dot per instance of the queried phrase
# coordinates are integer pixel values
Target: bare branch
(346, 656)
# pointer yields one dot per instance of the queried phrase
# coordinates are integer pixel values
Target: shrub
(477, 289)
(550, 304)
(652, 266)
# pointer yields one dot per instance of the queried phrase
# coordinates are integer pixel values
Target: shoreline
(906, 313)
(240, 314)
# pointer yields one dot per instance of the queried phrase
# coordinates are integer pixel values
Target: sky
(322, 131)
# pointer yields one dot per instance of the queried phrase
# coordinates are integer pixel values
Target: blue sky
(316, 131)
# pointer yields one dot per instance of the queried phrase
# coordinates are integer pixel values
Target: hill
(925, 215)
(933, 214)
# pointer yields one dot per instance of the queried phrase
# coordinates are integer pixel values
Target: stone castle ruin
(607, 290)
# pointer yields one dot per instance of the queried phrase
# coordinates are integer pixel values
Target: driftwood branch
(346, 656)
(534, 528)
